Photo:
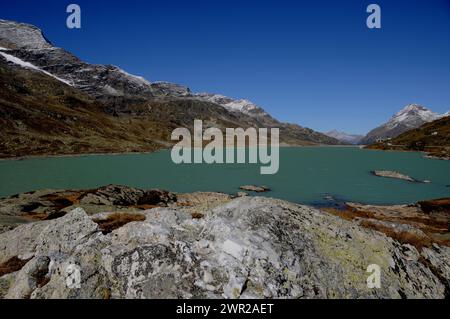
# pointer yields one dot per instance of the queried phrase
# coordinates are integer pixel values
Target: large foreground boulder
(250, 247)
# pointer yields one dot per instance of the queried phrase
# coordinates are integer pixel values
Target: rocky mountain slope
(240, 106)
(410, 117)
(129, 243)
(433, 138)
(53, 103)
(345, 137)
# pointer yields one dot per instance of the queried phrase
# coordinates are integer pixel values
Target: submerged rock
(248, 247)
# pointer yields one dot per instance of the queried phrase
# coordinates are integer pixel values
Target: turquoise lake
(307, 175)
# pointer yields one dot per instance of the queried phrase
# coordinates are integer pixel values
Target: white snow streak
(27, 65)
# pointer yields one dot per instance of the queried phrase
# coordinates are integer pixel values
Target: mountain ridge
(410, 117)
(345, 137)
(432, 138)
(44, 86)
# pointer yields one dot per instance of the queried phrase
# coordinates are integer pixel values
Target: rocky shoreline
(131, 243)
(425, 154)
(51, 155)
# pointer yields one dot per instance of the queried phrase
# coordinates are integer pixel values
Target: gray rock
(34, 274)
(126, 196)
(21, 35)
(241, 194)
(256, 189)
(250, 247)
(397, 175)
(170, 89)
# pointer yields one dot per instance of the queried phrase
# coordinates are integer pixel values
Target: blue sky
(314, 63)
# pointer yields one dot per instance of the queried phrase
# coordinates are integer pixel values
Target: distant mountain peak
(413, 107)
(345, 137)
(410, 117)
(413, 113)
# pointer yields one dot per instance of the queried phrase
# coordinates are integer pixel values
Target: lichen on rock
(247, 247)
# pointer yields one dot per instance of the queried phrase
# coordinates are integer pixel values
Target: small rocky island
(131, 243)
(397, 175)
(256, 189)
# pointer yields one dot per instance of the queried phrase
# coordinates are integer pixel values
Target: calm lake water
(307, 175)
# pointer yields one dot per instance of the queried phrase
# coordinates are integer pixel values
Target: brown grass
(427, 223)
(404, 237)
(41, 278)
(63, 200)
(436, 205)
(12, 265)
(432, 225)
(145, 206)
(197, 215)
(349, 213)
(59, 202)
(429, 226)
(117, 220)
(106, 292)
(37, 216)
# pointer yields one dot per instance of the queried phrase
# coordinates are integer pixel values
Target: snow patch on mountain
(27, 65)
(241, 105)
(139, 80)
(234, 105)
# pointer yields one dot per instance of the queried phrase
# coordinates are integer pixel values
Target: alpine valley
(139, 226)
(51, 102)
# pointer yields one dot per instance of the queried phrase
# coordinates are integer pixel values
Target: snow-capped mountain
(410, 117)
(26, 45)
(413, 114)
(345, 137)
(30, 63)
